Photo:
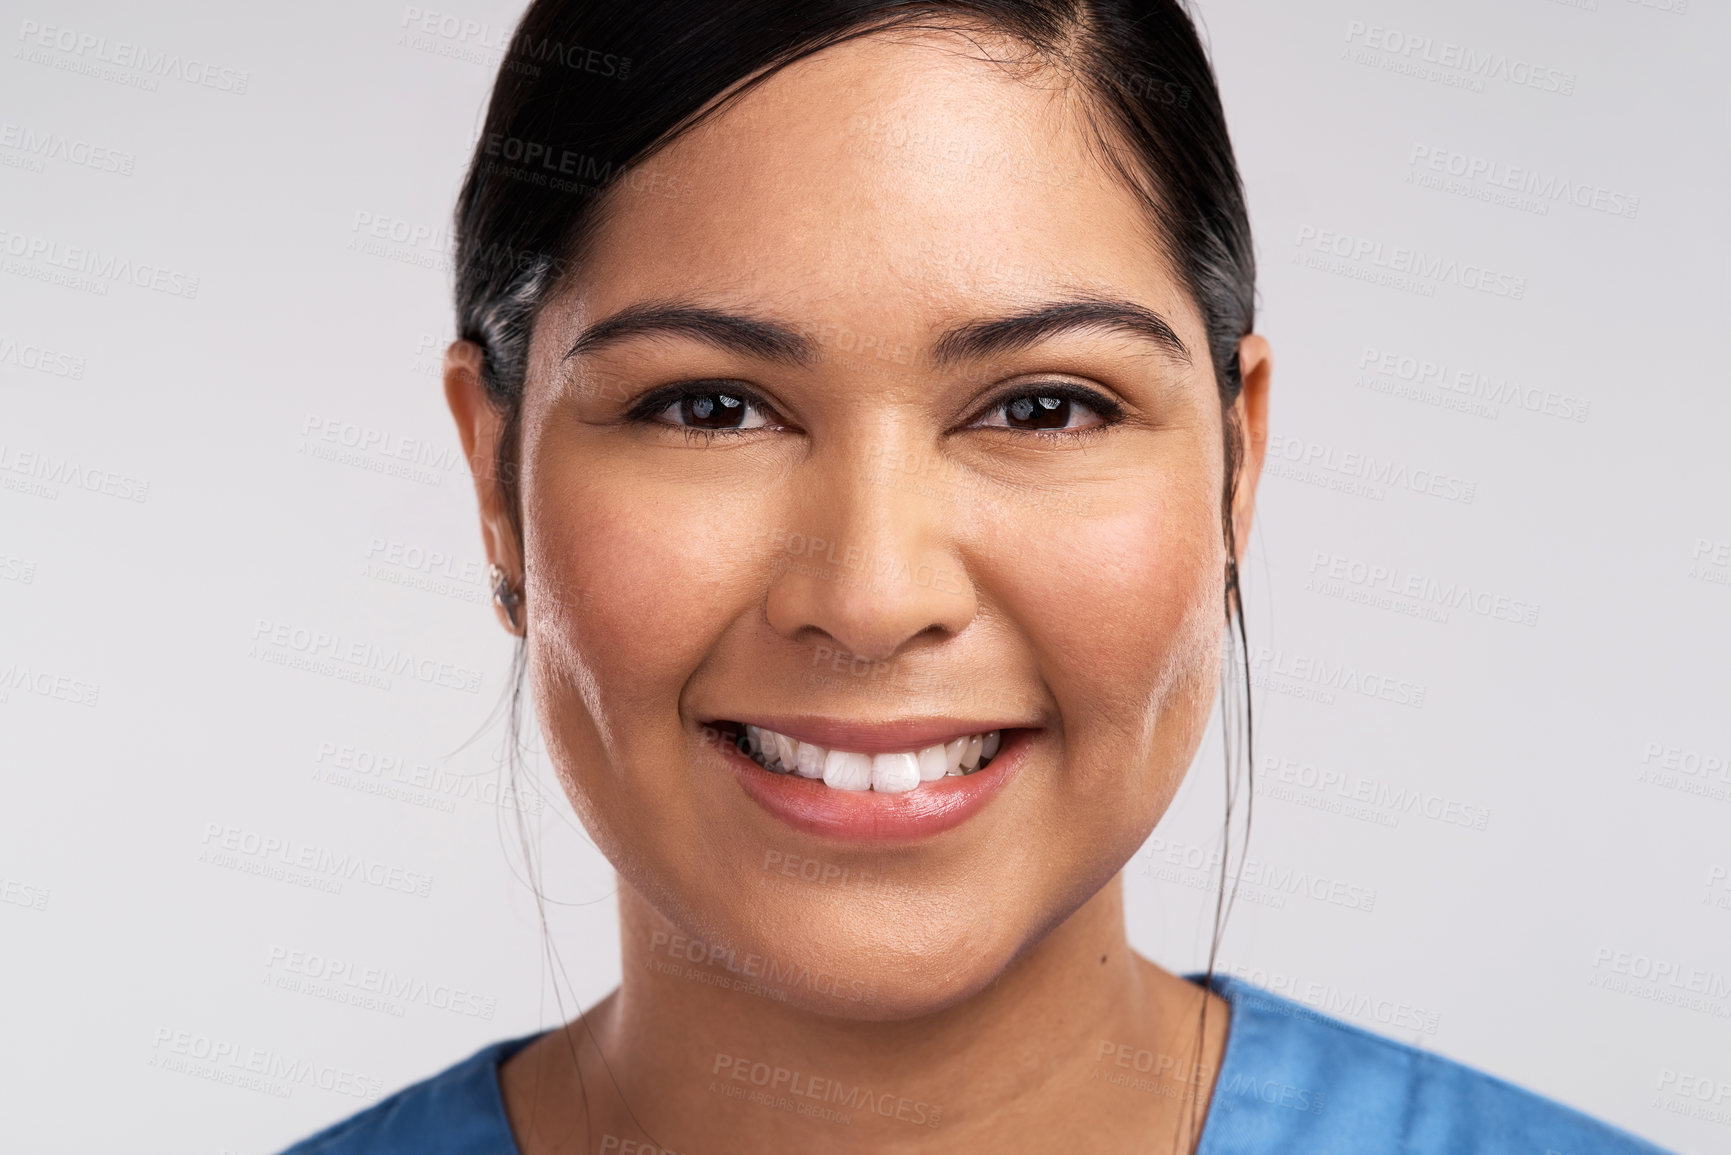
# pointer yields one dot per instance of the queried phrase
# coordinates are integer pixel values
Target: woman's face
(853, 519)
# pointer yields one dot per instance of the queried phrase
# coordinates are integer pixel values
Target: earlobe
(507, 598)
(479, 424)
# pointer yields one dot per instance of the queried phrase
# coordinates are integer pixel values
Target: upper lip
(892, 736)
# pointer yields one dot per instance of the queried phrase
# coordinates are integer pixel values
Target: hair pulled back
(589, 89)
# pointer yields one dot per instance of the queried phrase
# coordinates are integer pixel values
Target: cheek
(632, 591)
(1124, 608)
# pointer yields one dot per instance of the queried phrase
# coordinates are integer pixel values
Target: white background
(1542, 827)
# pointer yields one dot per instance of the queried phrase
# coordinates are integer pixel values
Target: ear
(1256, 370)
(479, 423)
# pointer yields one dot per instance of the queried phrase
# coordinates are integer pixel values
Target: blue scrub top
(1292, 1081)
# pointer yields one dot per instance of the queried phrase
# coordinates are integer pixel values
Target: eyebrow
(765, 340)
(974, 340)
(979, 339)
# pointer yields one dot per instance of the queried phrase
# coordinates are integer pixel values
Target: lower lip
(869, 816)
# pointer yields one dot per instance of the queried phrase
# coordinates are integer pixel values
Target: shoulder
(459, 1111)
(1293, 1079)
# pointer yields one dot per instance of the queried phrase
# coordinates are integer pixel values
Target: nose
(870, 563)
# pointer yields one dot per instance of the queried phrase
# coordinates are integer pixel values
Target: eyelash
(1107, 410)
(647, 411)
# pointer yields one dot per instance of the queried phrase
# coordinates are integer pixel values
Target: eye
(703, 407)
(1051, 409)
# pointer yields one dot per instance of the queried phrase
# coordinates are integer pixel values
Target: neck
(1077, 1035)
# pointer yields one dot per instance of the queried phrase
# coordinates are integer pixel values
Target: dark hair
(589, 89)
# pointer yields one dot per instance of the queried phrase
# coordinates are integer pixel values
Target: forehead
(908, 178)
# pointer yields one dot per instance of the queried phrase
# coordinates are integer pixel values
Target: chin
(896, 955)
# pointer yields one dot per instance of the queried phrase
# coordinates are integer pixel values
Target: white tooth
(989, 748)
(971, 756)
(844, 770)
(753, 742)
(808, 760)
(895, 773)
(786, 749)
(953, 751)
(933, 763)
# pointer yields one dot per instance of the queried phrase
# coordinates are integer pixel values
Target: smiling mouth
(886, 773)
